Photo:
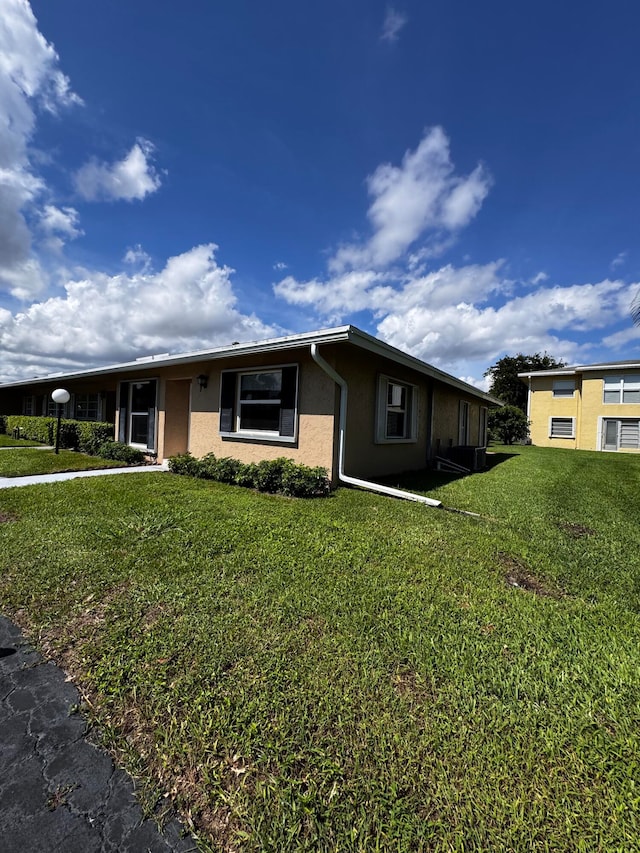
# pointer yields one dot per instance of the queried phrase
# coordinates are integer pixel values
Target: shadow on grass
(428, 479)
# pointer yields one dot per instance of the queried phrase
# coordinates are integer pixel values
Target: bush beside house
(85, 436)
(277, 476)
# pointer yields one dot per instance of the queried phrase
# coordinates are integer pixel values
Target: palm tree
(635, 308)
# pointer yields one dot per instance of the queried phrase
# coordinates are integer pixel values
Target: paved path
(34, 479)
(59, 793)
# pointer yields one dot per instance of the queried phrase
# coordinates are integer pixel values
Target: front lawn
(23, 463)
(356, 673)
(9, 441)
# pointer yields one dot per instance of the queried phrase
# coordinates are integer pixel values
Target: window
(482, 427)
(87, 407)
(29, 405)
(259, 403)
(562, 427)
(629, 435)
(622, 434)
(564, 387)
(622, 389)
(52, 408)
(396, 411)
(463, 423)
(137, 413)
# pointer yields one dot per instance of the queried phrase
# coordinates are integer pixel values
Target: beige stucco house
(338, 398)
(586, 407)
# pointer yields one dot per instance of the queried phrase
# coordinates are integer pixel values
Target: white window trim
(562, 418)
(266, 433)
(261, 435)
(381, 411)
(619, 379)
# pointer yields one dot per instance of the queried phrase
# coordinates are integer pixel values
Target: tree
(508, 424)
(635, 309)
(504, 376)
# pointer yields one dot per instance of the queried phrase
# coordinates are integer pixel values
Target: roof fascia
(368, 342)
(324, 336)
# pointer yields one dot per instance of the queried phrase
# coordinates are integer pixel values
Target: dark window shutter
(227, 401)
(122, 416)
(151, 431)
(288, 401)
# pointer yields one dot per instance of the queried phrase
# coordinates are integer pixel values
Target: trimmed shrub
(92, 435)
(185, 463)
(86, 436)
(32, 427)
(280, 475)
(300, 481)
(121, 453)
(247, 475)
(226, 470)
(269, 474)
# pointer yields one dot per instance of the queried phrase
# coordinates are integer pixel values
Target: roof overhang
(339, 334)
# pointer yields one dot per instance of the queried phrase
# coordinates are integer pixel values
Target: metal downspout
(344, 478)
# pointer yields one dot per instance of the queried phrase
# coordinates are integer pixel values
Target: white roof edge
(583, 368)
(336, 334)
(373, 344)
(332, 335)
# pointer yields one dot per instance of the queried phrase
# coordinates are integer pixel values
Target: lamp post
(60, 396)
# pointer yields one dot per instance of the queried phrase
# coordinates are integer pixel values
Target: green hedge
(121, 452)
(86, 436)
(281, 475)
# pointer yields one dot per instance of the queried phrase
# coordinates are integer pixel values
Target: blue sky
(460, 179)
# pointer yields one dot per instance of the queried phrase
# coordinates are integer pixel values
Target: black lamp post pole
(58, 430)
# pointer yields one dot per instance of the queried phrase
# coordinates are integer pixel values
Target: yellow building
(586, 407)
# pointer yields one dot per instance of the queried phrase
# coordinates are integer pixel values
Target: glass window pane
(143, 396)
(611, 396)
(261, 386)
(630, 395)
(630, 434)
(139, 429)
(264, 416)
(395, 425)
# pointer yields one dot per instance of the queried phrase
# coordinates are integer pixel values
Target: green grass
(22, 463)
(356, 673)
(9, 441)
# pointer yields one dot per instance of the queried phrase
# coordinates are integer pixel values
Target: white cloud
(29, 79)
(129, 179)
(280, 266)
(421, 197)
(137, 257)
(538, 278)
(394, 21)
(189, 304)
(619, 260)
(60, 220)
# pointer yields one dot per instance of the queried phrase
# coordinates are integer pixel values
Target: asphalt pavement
(59, 792)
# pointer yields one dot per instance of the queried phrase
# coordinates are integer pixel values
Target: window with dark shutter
(260, 403)
(288, 401)
(227, 402)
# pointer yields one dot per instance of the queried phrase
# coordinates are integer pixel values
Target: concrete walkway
(59, 792)
(34, 479)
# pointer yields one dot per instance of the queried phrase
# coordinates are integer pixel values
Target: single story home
(586, 407)
(338, 398)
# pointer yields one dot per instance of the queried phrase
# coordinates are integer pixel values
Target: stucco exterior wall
(316, 405)
(543, 406)
(446, 417)
(587, 406)
(594, 409)
(364, 456)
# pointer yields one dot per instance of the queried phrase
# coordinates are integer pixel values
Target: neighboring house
(278, 397)
(587, 407)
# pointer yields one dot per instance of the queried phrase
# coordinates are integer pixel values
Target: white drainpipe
(344, 478)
